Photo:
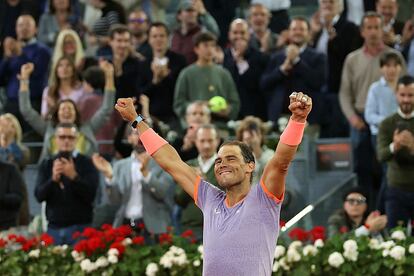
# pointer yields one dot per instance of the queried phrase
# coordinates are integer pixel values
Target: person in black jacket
(67, 183)
(11, 195)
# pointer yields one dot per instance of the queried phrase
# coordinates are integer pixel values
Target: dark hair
(245, 150)
(406, 80)
(204, 37)
(111, 5)
(355, 189)
(95, 77)
(67, 125)
(388, 57)
(54, 117)
(303, 19)
(251, 124)
(370, 14)
(159, 25)
(118, 29)
(53, 10)
(351, 190)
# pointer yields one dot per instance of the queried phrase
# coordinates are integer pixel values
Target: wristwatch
(138, 119)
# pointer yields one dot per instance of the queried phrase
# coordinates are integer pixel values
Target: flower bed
(115, 251)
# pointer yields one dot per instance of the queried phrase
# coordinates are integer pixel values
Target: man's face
(251, 138)
(205, 50)
(66, 113)
(188, 16)
(197, 114)
(121, 43)
(388, 9)
(158, 39)
(230, 168)
(238, 31)
(298, 32)
(25, 27)
(138, 23)
(66, 139)
(405, 98)
(329, 7)
(206, 142)
(371, 30)
(259, 18)
(391, 71)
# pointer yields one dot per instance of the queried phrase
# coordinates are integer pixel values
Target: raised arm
(274, 174)
(163, 153)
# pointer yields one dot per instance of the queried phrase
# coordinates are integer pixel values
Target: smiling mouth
(224, 172)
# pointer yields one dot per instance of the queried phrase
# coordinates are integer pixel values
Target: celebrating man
(241, 223)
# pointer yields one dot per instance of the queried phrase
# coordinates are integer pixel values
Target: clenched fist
(300, 106)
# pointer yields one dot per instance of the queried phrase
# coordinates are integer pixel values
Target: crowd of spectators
(192, 67)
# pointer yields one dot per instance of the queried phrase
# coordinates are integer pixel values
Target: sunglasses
(356, 201)
(66, 137)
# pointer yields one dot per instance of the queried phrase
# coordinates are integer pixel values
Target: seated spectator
(204, 80)
(138, 25)
(279, 20)
(262, 38)
(193, 18)
(381, 99)
(12, 189)
(354, 216)
(59, 17)
(68, 44)
(66, 111)
(67, 182)
(392, 28)
(207, 141)
(66, 85)
(252, 132)
(396, 147)
(141, 188)
(18, 52)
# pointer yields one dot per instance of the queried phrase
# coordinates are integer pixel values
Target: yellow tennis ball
(217, 104)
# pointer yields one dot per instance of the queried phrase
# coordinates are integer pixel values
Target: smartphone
(64, 154)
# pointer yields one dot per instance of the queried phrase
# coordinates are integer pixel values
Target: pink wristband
(293, 133)
(152, 141)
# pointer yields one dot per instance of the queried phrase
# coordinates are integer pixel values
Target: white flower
(319, 243)
(113, 252)
(335, 259)
(200, 249)
(374, 244)
(398, 235)
(411, 248)
(87, 266)
(77, 256)
(283, 264)
(64, 247)
(280, 250)
(276, 266)
(113, 259)
(293, 255)
(397, 252)
(151, 270)
(127, 241)
(176, 250)
(350, 245)
(385, 252)
(351, 255)
(310, 250)
(166, 261)
(34, 253)
(313, 268)
(197, 263)
(102, 262)
(387, 244)
(295, 244)
(181, 260)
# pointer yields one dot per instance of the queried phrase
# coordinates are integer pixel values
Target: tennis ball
(217, 104)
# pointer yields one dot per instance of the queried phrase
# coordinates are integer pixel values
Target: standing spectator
(141, 187)
(336, 37)
(18, 52)
(246, 65)
(381, 99)
(159, 75)
(296, 68)
(66, 85)
(204, 80)
(262, 38)
(361, 69)
(60, 16)
(279, 20)
(407, 44)
(67, 182)
(396, 147)
(155, 9)
(252, 132)
(138, 25)
(392, 27)
(354, 10)
(193, 18)
(11, 195)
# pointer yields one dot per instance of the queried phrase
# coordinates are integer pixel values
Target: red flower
(81, 246)
(187, 234)
(106, 227)
(282, 223)
(89, 232)
(165, 238)
(11, 237)
(138, 240)
(46, 239)
(95, 244)
(141, 226)
(318, 232)
(76, 235)
(2, 243)
(124, 231)
(28, 244)
(118, 246)
(343, 229)
(298, 234)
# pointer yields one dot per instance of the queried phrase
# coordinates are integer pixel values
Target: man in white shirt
(279, 10)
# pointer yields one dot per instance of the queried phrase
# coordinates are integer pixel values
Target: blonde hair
(16, 125)
(58, 51)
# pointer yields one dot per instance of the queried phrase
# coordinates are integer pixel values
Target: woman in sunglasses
(354, 216)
